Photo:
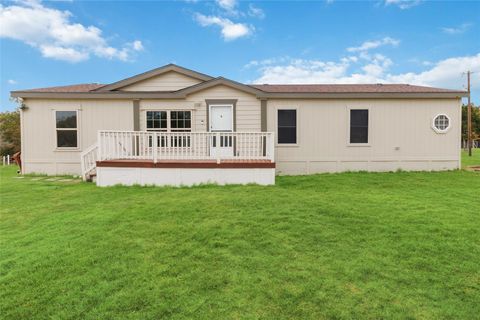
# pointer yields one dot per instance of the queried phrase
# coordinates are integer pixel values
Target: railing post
(217, 147)
(99, 144)
(154, 147)
(272, 147)
(82, 164)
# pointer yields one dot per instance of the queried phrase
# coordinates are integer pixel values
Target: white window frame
(56, 147)
(439, 130)
(296, 127)
(219, 105)
(369, 143)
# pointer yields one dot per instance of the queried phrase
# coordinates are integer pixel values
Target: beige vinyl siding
(170, 81)
(400, 136)
(39, 152)
(247, 108)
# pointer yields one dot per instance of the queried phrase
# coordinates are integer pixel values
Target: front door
(221, 121)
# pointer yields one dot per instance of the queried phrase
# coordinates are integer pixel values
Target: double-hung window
(66, 129)
(172, 122)
(359, 126)
(287, 126)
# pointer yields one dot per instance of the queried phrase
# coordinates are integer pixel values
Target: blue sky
(66, 42)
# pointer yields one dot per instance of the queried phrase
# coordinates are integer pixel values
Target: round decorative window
(441, 123)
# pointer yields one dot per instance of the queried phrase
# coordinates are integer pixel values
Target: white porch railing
(88, 160)
(157, 146)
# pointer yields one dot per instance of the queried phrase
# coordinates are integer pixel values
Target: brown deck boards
(199, 164)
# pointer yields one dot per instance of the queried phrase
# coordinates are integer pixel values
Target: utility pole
(469, 118)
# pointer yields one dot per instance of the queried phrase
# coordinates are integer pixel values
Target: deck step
(92, 176)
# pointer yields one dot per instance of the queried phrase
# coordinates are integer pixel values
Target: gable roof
(264, 91)
(152, 73)
(348, 88)
(220, 81)
(82, 87)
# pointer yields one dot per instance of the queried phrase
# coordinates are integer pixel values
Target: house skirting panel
(110, 176)
(298, 167)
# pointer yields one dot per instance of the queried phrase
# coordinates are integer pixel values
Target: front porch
(180, 158)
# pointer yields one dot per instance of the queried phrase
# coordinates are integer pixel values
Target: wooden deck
(199, 164)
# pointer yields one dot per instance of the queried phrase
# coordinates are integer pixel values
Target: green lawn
(471, 161)
(353, 245)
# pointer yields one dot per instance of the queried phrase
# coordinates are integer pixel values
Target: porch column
(136, 115)
(263, 115)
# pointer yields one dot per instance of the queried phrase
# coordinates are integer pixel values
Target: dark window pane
(287, 118)
(66, 119)
(66, 138)
(180, 119)
(287, 135)
(163, 124)
(156, 119)
(358, 126)
(287, 126)
(359, 135)
(359, 118)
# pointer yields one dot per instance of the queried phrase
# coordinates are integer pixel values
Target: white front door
(221, 121)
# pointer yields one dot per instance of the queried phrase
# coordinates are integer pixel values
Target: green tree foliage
(475, 122)
(9, 132)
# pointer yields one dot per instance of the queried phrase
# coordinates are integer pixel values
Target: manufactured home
(175, 126)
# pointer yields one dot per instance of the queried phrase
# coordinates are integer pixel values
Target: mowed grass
(353, 245)
(474, 160)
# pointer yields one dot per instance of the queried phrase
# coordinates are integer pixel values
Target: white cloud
(228, 5)
(61, 53)
(366, 68)
(53, 33)
(445, 73)
(255, 12)
(368, 45)
(457, 30)
(11, 81)
(403, 4)
(229, 29)
(137, 45)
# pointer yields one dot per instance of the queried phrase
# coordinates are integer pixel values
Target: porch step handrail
(160, 146)
(88, 160)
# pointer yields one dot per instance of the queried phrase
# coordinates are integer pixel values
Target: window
(180, 121)
(287, 126)
(66, 127)
(170, 121)
(156, 120)
(358, 126)
(441, 123)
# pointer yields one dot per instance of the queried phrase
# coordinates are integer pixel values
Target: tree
(9, 132)
(475, 122)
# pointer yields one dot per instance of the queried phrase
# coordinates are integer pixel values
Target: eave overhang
(182, 94)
